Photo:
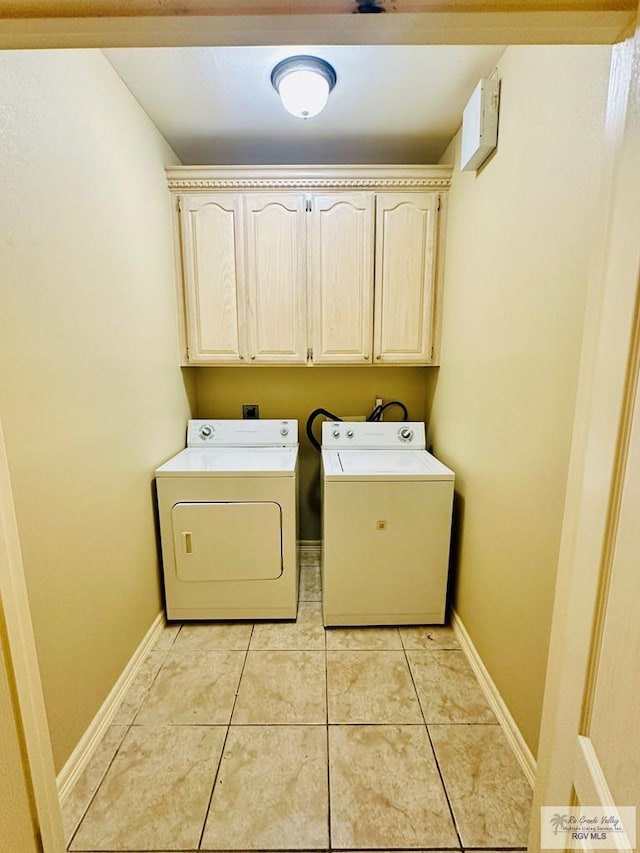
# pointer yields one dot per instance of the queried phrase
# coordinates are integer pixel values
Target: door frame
(99, 23)
(606, 388)
(31, 717)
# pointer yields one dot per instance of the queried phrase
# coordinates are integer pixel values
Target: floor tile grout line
(346, 850)
(435, 757)
(415, 687)
(153, 680)
(202, 651)
(326, 702)
(98, 786)
(224, 743)
(336, 850)
(444, 787)
(326, 684)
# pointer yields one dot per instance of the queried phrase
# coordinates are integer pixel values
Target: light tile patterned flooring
(284, 736)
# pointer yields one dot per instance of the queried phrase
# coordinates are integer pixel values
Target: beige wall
(91, 397)
(294, 392)
(518, 248)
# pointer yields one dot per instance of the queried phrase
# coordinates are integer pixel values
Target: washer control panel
(374, 435)
(242, 433)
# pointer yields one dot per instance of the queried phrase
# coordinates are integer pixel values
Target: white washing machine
(227, 506)
(387, 507)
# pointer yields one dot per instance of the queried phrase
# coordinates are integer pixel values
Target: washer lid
(383, 464)
(230, 461)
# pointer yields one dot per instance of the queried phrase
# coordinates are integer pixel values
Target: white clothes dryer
(227, 507)
(387, 506)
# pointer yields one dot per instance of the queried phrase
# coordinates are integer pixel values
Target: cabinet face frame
(283, 267)
(217, 280)
(406, 252)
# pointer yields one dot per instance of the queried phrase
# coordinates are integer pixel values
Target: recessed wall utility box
(480, 125)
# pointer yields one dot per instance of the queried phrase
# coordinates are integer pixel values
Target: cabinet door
(341, 276)
(213, 278)
(405, 272)
(276, 277)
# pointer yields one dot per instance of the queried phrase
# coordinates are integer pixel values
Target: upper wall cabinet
(406, 230)
(315, 265)
(341, 277)
(213, 278)
(276, 267)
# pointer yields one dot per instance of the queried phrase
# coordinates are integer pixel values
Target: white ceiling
(391, 104)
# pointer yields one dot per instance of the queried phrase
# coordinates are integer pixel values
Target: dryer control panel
(242, 433)
(374, 435)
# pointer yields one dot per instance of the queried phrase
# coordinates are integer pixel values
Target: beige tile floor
(287, 736)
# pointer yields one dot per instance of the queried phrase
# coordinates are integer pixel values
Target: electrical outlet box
(250, 411)
(480, 125)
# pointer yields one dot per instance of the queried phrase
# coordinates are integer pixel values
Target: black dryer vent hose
(375, 415)
(310, 421)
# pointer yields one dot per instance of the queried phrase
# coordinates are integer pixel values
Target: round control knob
(349, 433)
(206, 431)
(406, 434)
(336, 433)
(284, 430)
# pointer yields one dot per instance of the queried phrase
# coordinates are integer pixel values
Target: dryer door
(227, 541)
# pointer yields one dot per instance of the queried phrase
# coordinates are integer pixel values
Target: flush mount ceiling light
(303, 83)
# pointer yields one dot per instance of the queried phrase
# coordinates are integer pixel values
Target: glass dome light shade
(303, 93)
(303, 83)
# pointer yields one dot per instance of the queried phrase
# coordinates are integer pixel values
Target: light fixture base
(303, 63)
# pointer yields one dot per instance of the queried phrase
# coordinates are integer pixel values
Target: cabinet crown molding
(195, 178)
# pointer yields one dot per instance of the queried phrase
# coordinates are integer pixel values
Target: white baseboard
(309, 543)
(514, 736)
(83, 752)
